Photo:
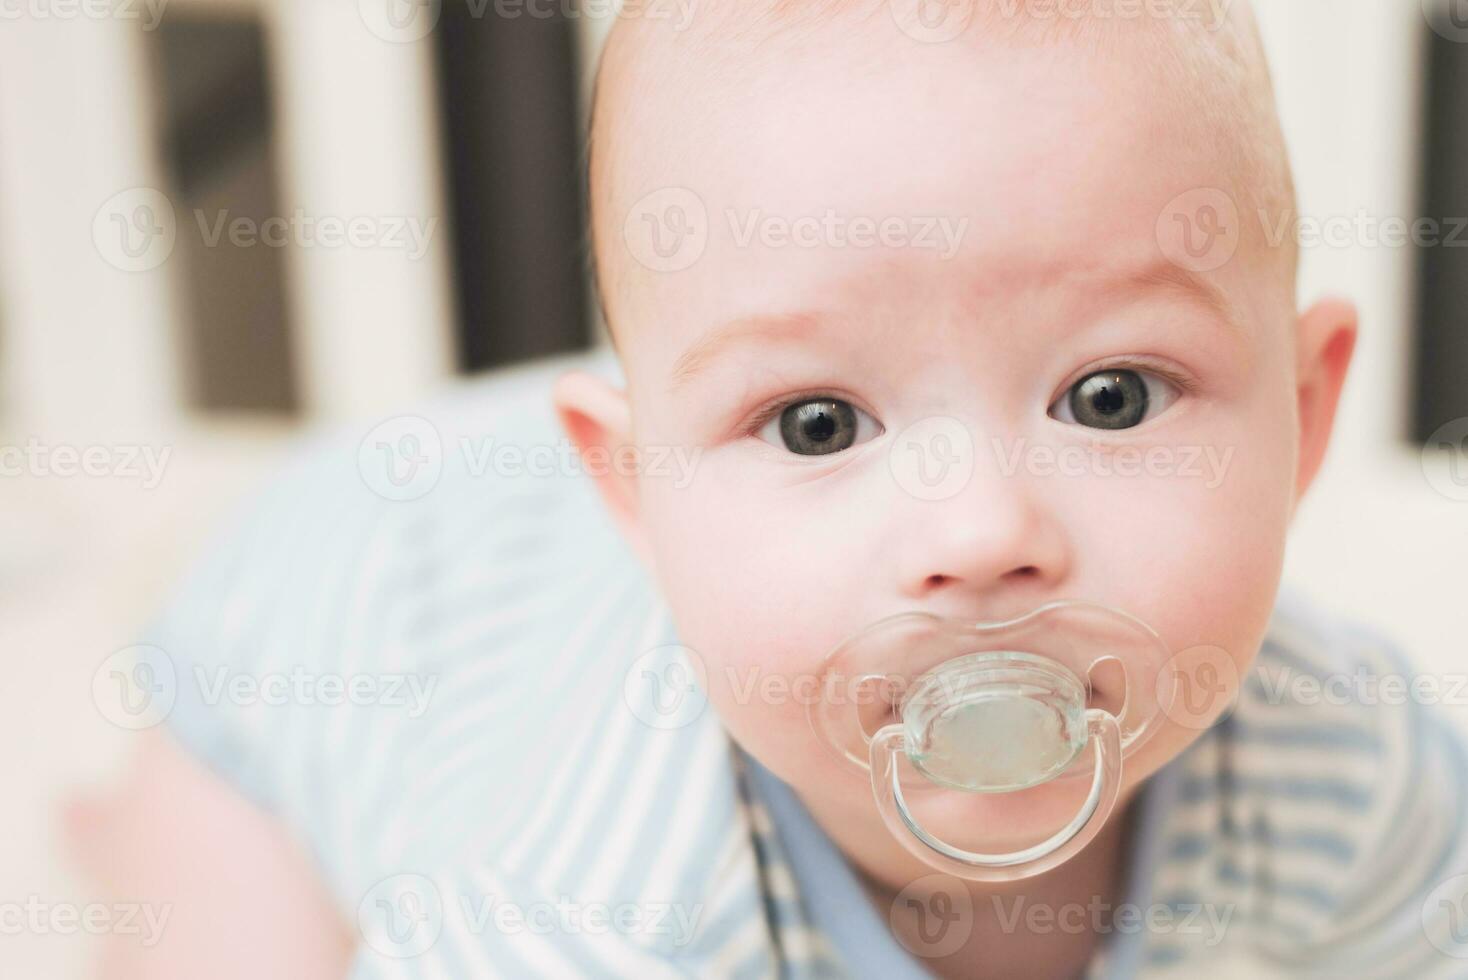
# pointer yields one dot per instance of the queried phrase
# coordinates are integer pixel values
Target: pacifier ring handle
(887, 754)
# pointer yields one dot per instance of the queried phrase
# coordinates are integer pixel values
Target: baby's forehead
(786, 106)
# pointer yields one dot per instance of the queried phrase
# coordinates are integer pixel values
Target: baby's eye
(1114, 399)
(819, 427)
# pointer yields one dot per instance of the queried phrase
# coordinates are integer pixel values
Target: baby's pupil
(820, 426)
(1108, 399)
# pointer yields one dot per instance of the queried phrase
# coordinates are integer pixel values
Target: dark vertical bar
(1442, 327)
(211, 76)
(509, 92)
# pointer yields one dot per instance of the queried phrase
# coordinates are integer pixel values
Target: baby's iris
(819, 427)
(1109, 400)
(1116, 398)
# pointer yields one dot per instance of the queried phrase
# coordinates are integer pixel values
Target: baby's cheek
(761, 590)
(1199, 561)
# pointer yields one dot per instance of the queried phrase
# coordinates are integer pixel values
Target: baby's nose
(994, 534)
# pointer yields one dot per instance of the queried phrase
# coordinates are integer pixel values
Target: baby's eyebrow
(1174, 278)
(742, 330)
(1163, 275)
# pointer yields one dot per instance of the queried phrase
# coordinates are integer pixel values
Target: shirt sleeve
(1321, 821)
(247, 631)
(1403, 914)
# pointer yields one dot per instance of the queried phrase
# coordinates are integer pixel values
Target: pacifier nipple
(992, 723)
(931, 704)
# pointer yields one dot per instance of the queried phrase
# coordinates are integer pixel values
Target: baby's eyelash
(770, 410)
(1154, 365)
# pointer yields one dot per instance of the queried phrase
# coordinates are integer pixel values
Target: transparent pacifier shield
(949, 717)
(868, 681)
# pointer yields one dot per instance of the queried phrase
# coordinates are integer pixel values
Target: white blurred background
(93, 105)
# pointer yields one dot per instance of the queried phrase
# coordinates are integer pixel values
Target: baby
(959, 309)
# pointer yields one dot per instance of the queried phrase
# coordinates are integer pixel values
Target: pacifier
(931, 705)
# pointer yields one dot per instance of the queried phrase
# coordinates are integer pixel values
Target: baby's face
(1115, 427)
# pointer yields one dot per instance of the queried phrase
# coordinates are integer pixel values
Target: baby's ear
(1324, 343)
(598, 419)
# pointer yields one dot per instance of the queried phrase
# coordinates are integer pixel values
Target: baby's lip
(989, 617)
